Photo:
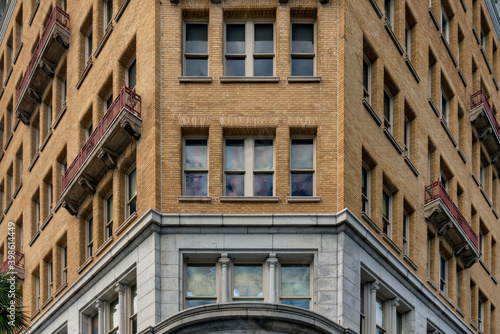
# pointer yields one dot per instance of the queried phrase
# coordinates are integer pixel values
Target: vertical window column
(120, 289)
(272, 263)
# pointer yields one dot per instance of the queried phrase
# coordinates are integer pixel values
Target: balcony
(14, 264)
(440, 210)
(117, 128)
(483, 119)
(51, 46)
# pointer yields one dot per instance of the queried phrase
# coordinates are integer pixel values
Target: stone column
(224, 261)
(374, 287)
(121, 306)
(393, 316)
(272, 262)
(99, 304)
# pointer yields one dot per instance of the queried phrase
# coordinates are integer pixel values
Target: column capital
(272, 261)
(119, 288)
(99, 304)
(395, 303)
(374, 286)
(224, 260)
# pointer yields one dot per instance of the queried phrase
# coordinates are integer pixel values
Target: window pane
(365, 74)
(387, 107)
(235, 184)
(263, 185)
(196, 67)
(90, 230)
(364, 181)
(133, 297)
(302, 154)
(134, 325)
(235, 154)
(196, 184)
(264, 38)
(94, 324)
(113, 314)
(302, 38)
(199, 302)
(109, 209)
(196, 154)
(196, 38)
(302, 184)
(302, 66)
(132, 207)
(235, 39)
(248, 281)
(132, 184)
(263, 151)
(399, 322)
(235, 67)
(385, 205)
(297, 302)
(132, 70)
(379, 312)
(295, 280)
(263, 67)
(201, 280)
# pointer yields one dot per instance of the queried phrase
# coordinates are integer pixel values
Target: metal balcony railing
(435, 191)
(479, 98)
(58, 16)
(126, 99)
(18, 259)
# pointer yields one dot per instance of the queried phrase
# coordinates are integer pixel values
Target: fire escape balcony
(41, 68)
(488, 130)
(440, 210)
(120, 125)
(14, 264)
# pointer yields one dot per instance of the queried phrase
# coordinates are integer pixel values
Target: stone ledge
(461, 74)
(46, 221)
(47, 302)
(34, 238)
(412, 167)
(105, 244)
(107, 33)
(371, 222)
(303, 79)
(86, 70)
(391, 243)
(231, 79)
(494, 279)
(376, 8)
(393, 141)
(495, 82)
(46, 139)
(121, 10)
(256, 199)
(448, 48)
(16, 55)
(485, 195)
(35, 159)
(194, 198)
(432, 284)
(33, 316)
(447, 299)
(448, 132)
(59, 116)
(388, 28)
(410, 262)
(495, 212)
(194, 79)
(33, 13)
(434, 19)
(17, 190)
(303, 199)
(126, 223)
(462, 155)
(58, 291)
(488, 271)
(372, 112)
(85, 265)
(410, 66)
(434, 108)
(462, 313)
(474, 177)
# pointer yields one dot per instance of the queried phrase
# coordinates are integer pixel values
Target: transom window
(302, 166)
(249, 167)
(195, 167)
(196, 49)
(249, 49)
(303, 49)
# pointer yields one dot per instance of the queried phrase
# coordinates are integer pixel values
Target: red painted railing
(126, 99)
(17, 258)
(57, 16)
(436, 190)
(479, 98)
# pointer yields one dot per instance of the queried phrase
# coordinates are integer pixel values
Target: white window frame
(388, 220)
(305, 55)
(187, 171)
(127, 74)
(37, 292)
(388, 123)
(64, 264)
(367, 91)
(249, 56)
(281, 297)
(109, 97)
(482, 175)
(384, 303)
(311, 171)
(480, 315)
(443, 279)
(195, 55)
(37, 215)
(128, 200)
(108, 223)
(64, 92)
(20, 168)
(481, 245)
(49, 198)
(366, 198)
(107, 16)
(406, 233)
(248, 163)
(390, 11)
(89, 243)
(445, 24)
(430, 80)
(89, 129)
(444, 180)
(50, 278)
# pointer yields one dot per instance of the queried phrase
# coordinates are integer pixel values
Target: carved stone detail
(86, 184)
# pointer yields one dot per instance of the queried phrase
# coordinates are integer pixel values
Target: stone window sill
(411, 166)
(462, 313)
(35, 159)
(473, 325)
(7, 77)
(7, 142)
(85, 265)
(494, 279)
(367, 219)
(121, 10)
(105, 244)
(2, 154)
(434, 19)
(490, 69)
(126, 223)
(107, 33)
(461, 74)
(2, 91)
(17, 53)
(410, 262)
(412, 68)
(194, 198)
(256, 199)
(195, 79)
(388, 28)
(16, 123)
(464, 5)
(86, 70)
(393, 141)
(432, 284)
(485, 195)
(59, 116)
(7, 207)
(60, 289)
(495, 82)
(230, 79)
(448, 132)
(45, 140)
(462, 155)
(434, 108)
(34, 238)
(17, 189)
(376, 8)
(303, 79)
(448, 48)
(372, 112)
(448, 300)
(46, 221)
(495, 212)
(303, 199)
(47, 302)
(391, 243)
(474, 30)
(485, 266)
(33, 13)
(33, 316)
(474, 177)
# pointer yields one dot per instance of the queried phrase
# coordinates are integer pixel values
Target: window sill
(494, 279)
(488, 271)
(16, 123)
(434, 108)
(58, 205)
(495, 212)
(107, 33)
(105, 244)
(47, 302)
(85, 265)
(462, 155)
(46, 221)
(448, 300)
(86, 70)
(462, 313)
(126, 223)
(495, 82)
(17, 53)
(33, 316)
(370, 222)
(35, 159)
(393, 141)
(60, 289)
(195, 79)
(410, 262)
(411, 68)
(473, 325)
(474, 30)
(448, 132)
(434, 19)
(372, 112)
(59, 116)
(269, 199)
(32, 241)
(121, 10)
(461, 74)
(391, 243)
(2, 91)
(303, 199)
(432, 284)
(7, 77)
(412, 167)
(463, 5)
(45, 140)
(303, 79)
(17, 189)
(7, 207)
(2, 154)
(229, 79)
(194, 198)
(9, 138)
(486, 60)
(485, 195)
(2, 217)
(389, 29)
(377, 8)
(33, 13)
(474, 177)
(448, 48)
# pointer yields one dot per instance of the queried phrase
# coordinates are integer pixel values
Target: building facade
(252, 166)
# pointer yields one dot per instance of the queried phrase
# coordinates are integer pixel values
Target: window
(195, 167)
(406, 233)
(109, 102)
(483, 39)
(196, 49)
(481, 244)
(63, 92)
(365, 189)
(443, 274)
(49, 198)
(482, 175)
(379, 316)
(444, 180)
(408, 40)
(49, 116)
(88, 45)
(37, 215)
(50, 279)
(248, 283)
(63, 4)
(295, 288)
(388, 110)
(445, 24)
(389, 11)
(108, 12)
(480, 315)
(94, 324)
(399, 322)
(249, 167)
(430, 239)
(131, 75)
(108, 217)
(200, 286)
(252, 41)
(445, 107)
(363, 308)
(131, 192)
(37, 292)
(407, 137)
(133, 309)
(89, 233)
(367, 78)
(88, 130)
(113, 317)
(302, 165)
(303, 49)
(64, 264)
(387, 212)
(20, 167)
